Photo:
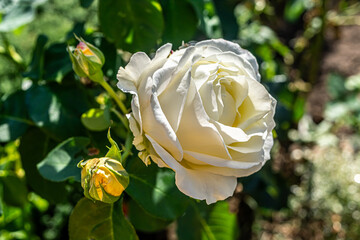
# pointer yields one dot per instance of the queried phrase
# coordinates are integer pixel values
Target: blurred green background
(309, 57)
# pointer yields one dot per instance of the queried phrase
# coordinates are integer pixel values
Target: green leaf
(15, 188)
(57, 62)
(199, 7)
(49, 63)
(203, 222)
(61, 163)
(1, 200)
(18, 13)
(57, 109)
(269, 190)
(96, 119)
(175, 30)
(13, 117)
(225, 11)
(154, 190)
(353, 83)
(143, 221)
(36, 67)
(34, 146)
(114, 151)
(132, 25)
(86, 3)
(294, 9)
(336, 86)
(100, 221)
(299, 108)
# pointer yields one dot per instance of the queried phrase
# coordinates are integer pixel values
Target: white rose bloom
(202, 112)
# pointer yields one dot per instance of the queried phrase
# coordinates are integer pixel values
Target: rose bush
(202, 112)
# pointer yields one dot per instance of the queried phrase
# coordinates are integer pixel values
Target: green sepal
(94, 49)
(114, 151)
(76, 67)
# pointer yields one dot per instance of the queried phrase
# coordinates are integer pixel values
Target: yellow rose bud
(103, 179)
(87, 61)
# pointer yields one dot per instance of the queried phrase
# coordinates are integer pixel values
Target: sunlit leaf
(57, 109)
(203, 222)
(61, 163)
(294, 9)
(299, 108)
(18, 13)
(96, 119)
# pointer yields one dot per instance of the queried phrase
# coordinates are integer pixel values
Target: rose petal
(269, 142)
(203, 159)
(229, 110)
(195, 131)
(254, 144)
(226, 46)
(157, 126)
(173, 99)
(255, 106)
(210, 100)
(129, 76)
(191, 182)
(226, 171)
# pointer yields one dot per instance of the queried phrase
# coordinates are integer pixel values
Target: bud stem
(128, 146)
(121, 117)
(112, 93)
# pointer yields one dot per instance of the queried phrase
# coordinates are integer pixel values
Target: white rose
(202, 112)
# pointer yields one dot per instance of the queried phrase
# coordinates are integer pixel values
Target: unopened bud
(87, 61)
(103, 179)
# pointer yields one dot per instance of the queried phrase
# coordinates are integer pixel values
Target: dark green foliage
(159, 194)
(176, 31)
(143, 221)
(268, 189)
(131, 25)
(49, 63)
(33, 148)
(101, 221)
(13, 117)
(15, 189)
(225, 11)
(86, 3)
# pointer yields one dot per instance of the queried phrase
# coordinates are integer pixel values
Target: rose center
(222, 89)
